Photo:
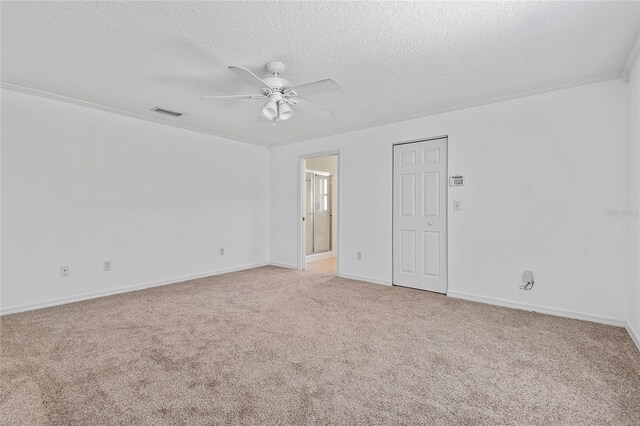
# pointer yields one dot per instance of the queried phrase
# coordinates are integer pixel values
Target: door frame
(393, 173)
(302, 235)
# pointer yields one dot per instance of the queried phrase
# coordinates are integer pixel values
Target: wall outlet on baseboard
(107, 265)
(221, 252)
(359, 255)
(64, 271)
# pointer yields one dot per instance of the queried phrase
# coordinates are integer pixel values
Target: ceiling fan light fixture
(284, 111)
(280, 94)
(270, 110)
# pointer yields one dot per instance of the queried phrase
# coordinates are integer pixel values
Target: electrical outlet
(64, 271)
(359, 255)
(221, 252)
(107, 265)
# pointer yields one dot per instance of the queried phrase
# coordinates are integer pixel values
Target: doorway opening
(319, 196)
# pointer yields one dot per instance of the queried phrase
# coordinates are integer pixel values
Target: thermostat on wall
(456, 180)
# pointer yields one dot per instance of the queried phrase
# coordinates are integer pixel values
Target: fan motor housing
(277, 83)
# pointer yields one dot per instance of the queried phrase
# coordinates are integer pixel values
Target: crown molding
(100, 107)
(456, 107)
(631, 59)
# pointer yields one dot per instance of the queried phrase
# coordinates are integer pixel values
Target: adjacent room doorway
(420, 215)
(319, 196)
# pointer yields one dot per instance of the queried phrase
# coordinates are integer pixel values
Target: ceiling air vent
(167, 112)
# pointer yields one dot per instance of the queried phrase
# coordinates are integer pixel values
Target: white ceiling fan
(281, 94)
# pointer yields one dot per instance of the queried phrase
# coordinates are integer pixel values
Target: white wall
(633, 315)
(540, 172)
(80, 186)
(329, 164)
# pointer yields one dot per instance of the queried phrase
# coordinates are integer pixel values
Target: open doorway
(320, 214)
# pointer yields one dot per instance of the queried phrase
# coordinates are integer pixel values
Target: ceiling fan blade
(206, 98)
(321, 86)
(250, 77)
(303, 105)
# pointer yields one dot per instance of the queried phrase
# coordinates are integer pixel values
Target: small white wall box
(456, 180)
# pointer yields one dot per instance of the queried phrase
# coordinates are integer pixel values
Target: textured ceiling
(394, 60)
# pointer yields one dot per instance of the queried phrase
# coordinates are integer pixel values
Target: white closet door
(420, 215)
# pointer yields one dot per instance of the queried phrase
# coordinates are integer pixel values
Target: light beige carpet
(276, 346)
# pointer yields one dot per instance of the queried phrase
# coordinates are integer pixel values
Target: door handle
(430, 223)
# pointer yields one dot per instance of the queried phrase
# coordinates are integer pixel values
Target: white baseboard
(365, 279)
(283, 265)
(634, 335)
(537, 308)
(109, 292)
